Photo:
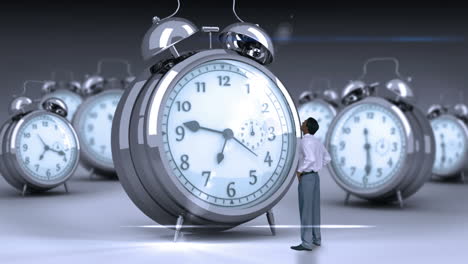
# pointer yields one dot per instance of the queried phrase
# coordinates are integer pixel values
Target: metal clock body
(375, 143)
(451, 137)
(93, 124)
(39, 149)
(211, 142)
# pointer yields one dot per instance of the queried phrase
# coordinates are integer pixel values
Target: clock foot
(462, 177)
(66, 187)
(400, 198)
(346, 200)
(180, 222)
(25, 189)
(91, 174)
(271, 221)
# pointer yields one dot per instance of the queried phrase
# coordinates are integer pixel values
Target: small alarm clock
(40, 149)
(206, 140)
(451, 137)
(322, 106)
(67, 91)
(377, 139)
(93, 119)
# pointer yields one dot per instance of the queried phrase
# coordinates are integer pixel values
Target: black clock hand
(252, 133)
(194, 126)
(442, 145)
(46, 148)
(367, 147)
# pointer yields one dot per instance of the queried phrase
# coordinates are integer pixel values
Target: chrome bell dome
(352, 86)
(435, 110)
(461, 110)
(56, 106)
(165, 33)
(401, 88)
(249, 40)
(330, 95)
(18, 104)
(48, 86)
(306, 96)
(92, 85)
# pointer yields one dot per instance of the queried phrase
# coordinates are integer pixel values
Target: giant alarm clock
(39, 147)
(322, 106)
(451, 137)
(67, 91)
(382, 146)
(206, 140)
(93, 119)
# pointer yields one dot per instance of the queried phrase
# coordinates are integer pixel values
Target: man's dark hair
(312, 125)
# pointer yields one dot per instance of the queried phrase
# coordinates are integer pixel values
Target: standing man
(313, 156)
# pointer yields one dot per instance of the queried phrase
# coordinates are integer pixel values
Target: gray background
(97, 222)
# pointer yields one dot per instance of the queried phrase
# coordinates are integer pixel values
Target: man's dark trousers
(309, 209)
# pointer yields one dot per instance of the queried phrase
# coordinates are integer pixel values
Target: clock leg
(346, 200)
(91, 174)
(271, 221)
(66, 187)
(400, 198)
(462, 176)
(25, 188)
(180, 222)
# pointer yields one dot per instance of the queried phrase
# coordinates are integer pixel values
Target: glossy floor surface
(97, 223)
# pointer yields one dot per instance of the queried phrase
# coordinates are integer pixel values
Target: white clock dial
(227, 133)
(71, 100)
(450, 140)
(46, 148)
(320, 111)
(368, 146)
(95, 125)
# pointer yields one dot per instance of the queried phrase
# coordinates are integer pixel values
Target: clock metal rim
(409, 157)
(154, 138)
(87, 157)
(5, 167)
(11, 158)
(463, 165)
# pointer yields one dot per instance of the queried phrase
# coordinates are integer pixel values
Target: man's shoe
(318, 244)
(300, 247)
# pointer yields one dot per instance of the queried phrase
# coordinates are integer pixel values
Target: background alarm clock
(377, 139)
(40, 149)
(67, 91)
(206, 140)
(93, 119)
(451, 138)
(321, 105)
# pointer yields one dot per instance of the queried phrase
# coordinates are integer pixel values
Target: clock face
(71, 100)
(46, 148)
(450, 139)
(368, 146)
(94, 126)
(228, 133)
(320, 111)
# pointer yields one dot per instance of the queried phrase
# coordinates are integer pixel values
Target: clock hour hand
(442, 145)
(194, 126)
(367, 147)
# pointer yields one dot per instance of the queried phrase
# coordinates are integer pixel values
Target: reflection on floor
(97, 223)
